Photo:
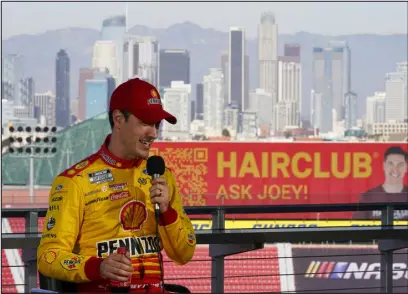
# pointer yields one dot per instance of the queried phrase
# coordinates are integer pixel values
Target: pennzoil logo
(136, 246)
(71, 264)
(132, 215)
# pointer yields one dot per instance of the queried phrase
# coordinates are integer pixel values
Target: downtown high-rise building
(331, 83)
(199, 105)
(45, 108)
(174, 66)
(350, 110)
(98, 91)
(375, 109)
(236, 68)
(141, 59)
(292, 50)
(396, 101)
(12, 78)
(106, 57)
(84, 75)
(114, 30)
(213, 94)
(63, 101)
(177, 101)
(287, 109)
(268, 54)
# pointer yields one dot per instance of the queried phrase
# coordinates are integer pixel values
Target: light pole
(37, 143)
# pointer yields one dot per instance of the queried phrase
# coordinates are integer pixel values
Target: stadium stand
(196, 275)
(82, 139)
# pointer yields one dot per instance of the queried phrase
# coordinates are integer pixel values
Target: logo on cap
(154, 93)
(154, 101)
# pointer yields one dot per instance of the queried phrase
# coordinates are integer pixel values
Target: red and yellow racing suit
(103, 203)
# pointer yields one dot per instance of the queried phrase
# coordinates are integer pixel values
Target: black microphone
(155, 168)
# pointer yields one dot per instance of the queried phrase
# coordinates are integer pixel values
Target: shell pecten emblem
(132, 215)
(154, 93)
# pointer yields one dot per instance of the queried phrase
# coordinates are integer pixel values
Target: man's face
(137, 137)
(395, 167)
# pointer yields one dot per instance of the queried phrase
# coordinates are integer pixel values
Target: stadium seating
(7, 279)
(241, 271)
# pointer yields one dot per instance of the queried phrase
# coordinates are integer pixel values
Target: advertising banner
(345, 269)
(251, 173)
(288, 224)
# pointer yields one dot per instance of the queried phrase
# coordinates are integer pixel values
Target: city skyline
(124, 53)
(361, 17)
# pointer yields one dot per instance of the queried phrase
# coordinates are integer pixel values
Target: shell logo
(132, 215)
(154, 93)
(50, 257)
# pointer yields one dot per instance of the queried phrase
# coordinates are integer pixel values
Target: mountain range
(372, 56)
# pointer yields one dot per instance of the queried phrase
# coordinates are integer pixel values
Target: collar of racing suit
(114, 161)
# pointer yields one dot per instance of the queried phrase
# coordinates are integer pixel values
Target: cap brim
(169, 118)
(153, 118)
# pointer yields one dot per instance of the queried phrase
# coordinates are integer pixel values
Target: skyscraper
(63, 103)
(350, 106)
(213, 85)
(331, 80)
(396, 86)
(12, 76)
(268, 54)
(174, 66)
(141, 58)
(84, 74)
(176, 100)
(199, 105)
(236, 68)
(105, 56)
(292, 50)
(114, 29)
(98, 91)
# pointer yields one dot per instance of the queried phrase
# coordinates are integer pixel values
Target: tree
(226, 133)
(287, 134)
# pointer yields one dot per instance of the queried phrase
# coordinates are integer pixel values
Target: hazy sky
(323, 18)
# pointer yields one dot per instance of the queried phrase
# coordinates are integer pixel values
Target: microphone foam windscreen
(155, 165)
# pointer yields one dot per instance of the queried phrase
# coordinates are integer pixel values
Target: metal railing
(223, 242)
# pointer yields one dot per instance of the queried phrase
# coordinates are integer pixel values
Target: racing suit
(103, 203)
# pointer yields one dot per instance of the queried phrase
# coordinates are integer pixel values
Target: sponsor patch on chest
(135, 245)
(100, 177)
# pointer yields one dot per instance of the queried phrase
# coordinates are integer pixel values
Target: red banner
(250, 173)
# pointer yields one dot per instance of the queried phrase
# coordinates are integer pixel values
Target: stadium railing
(225, 242)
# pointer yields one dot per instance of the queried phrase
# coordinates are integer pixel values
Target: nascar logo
(347, 270)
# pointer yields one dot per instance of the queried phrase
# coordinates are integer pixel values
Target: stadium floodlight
(28, 142)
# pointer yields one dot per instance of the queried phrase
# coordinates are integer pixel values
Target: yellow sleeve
(175, 228)
(55, 257)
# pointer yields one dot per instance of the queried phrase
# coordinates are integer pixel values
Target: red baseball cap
(141, 99)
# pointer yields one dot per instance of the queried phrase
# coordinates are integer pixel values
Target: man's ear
(118, 118)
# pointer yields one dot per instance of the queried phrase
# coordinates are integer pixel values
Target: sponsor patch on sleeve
(191, 240)
(72, 263)
(50, 256)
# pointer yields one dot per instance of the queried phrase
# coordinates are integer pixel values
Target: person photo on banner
(393, 189)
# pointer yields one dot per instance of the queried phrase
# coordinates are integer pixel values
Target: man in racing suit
(107, 200)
